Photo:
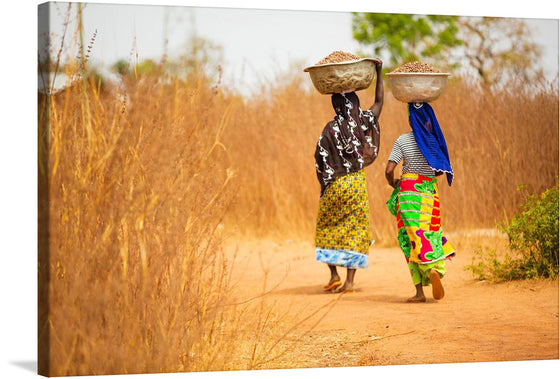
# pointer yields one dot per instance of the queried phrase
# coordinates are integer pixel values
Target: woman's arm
(390, 173)
(378, 103)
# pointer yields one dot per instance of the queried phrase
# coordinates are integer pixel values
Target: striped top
(405, 147)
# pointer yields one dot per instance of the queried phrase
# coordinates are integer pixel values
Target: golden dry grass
(135, 264)
(142, 191)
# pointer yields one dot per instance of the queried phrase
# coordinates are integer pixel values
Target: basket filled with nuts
(341, 72)
(417, 82)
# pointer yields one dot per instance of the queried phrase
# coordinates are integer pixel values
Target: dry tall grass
(138, 194)
(135, 267)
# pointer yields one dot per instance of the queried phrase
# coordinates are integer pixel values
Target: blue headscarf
(429, 138)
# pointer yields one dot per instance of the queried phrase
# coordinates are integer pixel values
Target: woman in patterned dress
(347, 145)
(415, 199)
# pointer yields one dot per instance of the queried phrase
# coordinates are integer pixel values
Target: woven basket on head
(417, 87)
(342, 76)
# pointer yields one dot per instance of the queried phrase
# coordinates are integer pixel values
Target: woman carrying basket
(347, 145)
(415, 200)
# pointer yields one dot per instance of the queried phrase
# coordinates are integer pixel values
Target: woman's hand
(389, 174)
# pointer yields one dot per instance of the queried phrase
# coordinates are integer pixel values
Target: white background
(18, 246)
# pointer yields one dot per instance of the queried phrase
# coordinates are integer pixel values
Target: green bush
(533, 237)
(487, 266)
(534, 232)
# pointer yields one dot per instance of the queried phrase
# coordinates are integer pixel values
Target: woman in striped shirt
(415, 200)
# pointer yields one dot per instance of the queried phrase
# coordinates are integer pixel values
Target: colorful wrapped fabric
(420, 235)
(343, 236)
(392, 202)
(348, 143)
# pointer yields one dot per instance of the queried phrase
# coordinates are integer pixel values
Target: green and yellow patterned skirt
(415, 202)
(343, 236)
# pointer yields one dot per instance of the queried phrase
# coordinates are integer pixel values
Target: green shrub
(487, 266)
(533, 239)
(534, 232)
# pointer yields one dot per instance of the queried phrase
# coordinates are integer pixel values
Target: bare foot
(437, 288)
(416, 299)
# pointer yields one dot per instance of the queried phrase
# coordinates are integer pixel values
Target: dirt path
(475, 322)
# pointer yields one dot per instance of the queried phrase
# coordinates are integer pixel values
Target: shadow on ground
(26, 365)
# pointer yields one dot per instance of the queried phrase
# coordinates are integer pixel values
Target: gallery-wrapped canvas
(180, 215)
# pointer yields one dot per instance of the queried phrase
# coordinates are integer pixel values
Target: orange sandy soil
(476, 321)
